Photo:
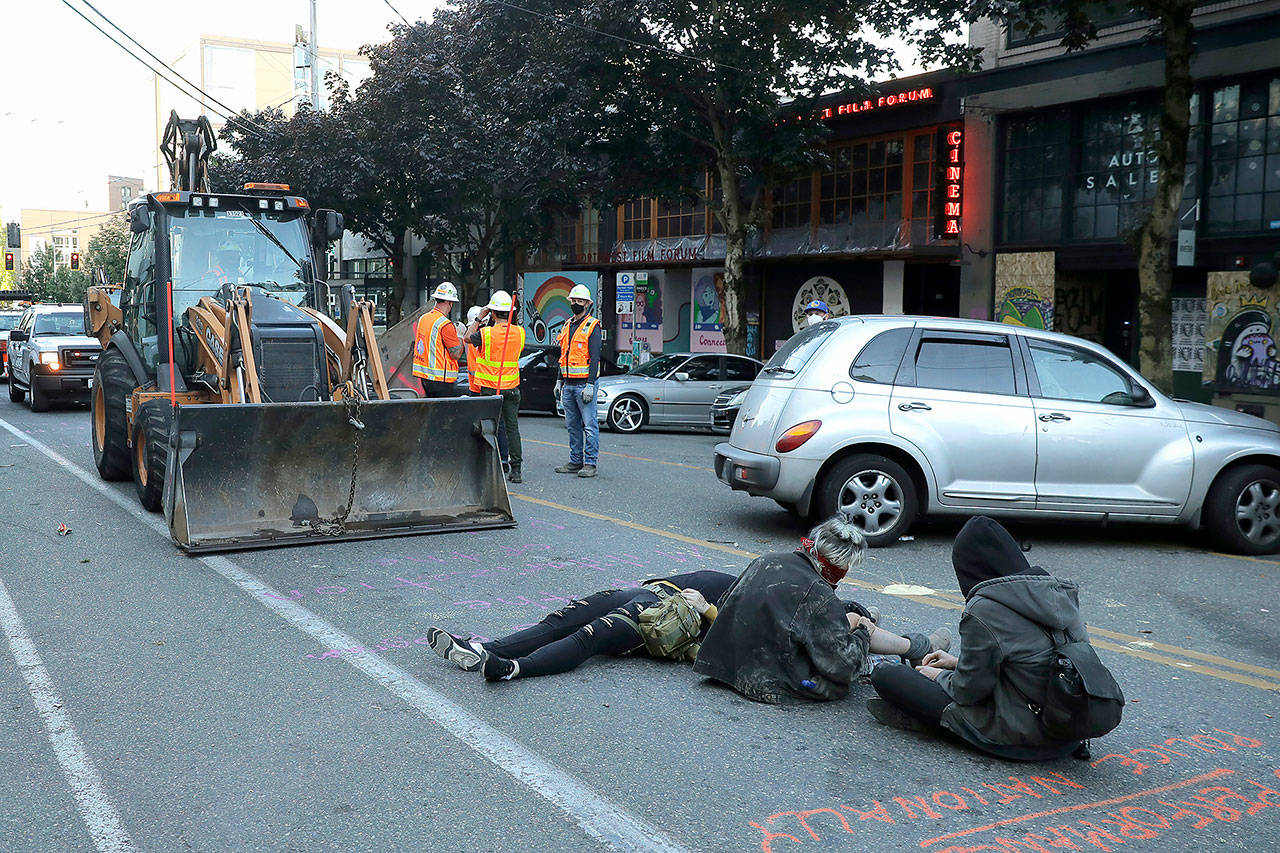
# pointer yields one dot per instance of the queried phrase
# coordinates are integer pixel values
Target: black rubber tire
(112, 386)
(613, 415)
(1259, 487)
(897, 487)
(16, 394)
(149, 454)
(37, 399)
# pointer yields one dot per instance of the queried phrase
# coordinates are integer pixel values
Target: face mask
(577, 309)
(814, 319)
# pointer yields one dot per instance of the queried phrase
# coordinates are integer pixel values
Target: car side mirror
(680, 376)
(139, 219)
(1141, 397)
(19, 335)
(333, 225)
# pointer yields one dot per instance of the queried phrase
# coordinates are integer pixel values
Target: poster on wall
(707, 309)
(1240, 335)
(1188, 334)
(819, 287)
(546, 302)
(1024, 289)
(645, 323)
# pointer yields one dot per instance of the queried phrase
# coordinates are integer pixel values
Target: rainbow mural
(546, 302)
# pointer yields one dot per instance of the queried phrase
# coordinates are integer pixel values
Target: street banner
(707, 299)
(546, 302)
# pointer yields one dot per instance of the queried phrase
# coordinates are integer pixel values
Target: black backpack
(1082, 699)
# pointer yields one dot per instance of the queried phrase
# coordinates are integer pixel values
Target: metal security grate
(287, 371)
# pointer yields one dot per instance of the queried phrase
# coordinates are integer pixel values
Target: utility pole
(313, 56)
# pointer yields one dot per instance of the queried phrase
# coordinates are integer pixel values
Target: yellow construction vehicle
(245, 413)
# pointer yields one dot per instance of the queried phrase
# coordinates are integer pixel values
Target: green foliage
(108, 250)
(51, 281)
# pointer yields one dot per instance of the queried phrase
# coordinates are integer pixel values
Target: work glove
(558, 389)
(588, 393)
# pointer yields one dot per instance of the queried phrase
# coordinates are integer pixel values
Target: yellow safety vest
(498, 365)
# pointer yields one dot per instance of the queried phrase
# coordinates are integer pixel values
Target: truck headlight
(50, 358)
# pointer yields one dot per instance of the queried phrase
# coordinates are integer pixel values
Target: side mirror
(680, 377)
(139, 219)
(19, 335)
(1141, 397)
(331, 224)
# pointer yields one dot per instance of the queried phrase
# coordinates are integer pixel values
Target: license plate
(88, 383)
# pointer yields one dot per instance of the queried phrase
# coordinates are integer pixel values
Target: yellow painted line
(945, 602)
(625, 456)
(1275, 564)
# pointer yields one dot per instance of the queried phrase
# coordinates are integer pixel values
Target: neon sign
(951, 182)
(900, 99)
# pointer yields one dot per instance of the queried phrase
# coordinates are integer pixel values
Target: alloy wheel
(873, 498)
(628, 414)
(1258, 512)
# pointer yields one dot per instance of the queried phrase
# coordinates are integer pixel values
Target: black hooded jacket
(1005, 651)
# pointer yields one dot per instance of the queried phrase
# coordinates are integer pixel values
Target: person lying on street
(782, 633)
(1006, 653)
(604, 623)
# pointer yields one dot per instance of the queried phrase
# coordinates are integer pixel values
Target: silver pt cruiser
(892, 417)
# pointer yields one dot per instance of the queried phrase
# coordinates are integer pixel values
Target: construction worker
(498, 369)
(436, 346)
(473, 314)
(579, 367)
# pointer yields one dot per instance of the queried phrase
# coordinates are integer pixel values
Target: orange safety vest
(498, 365)
(473, 358)
(575, 355)
(430, 358)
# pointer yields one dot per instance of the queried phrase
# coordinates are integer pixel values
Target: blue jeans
(580, 418)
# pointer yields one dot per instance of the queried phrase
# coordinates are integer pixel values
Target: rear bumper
(743, 470)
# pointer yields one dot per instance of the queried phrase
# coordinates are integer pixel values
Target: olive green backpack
(669, 628)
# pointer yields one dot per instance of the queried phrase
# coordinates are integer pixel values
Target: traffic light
(75, 260)
(15, 235)
(8, 261)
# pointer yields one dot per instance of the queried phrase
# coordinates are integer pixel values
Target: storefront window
(1035, 169)
(863, 185)
(1244, 158)
(791, 203)
(683, 218)
(922, 177)
(1118, 169)
(635, 219)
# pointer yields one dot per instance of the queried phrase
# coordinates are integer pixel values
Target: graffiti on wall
(1240, 339)
(1025, 289)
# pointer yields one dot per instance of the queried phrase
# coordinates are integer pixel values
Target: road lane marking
(626, 456)
(99, 814)
(609, 823)
(946, 601)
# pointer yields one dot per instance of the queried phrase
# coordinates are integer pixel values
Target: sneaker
(455, 649)
(587, 471)
(940, 640)
(569, 468)
(499, 668)
(514, 474)
(890, 715)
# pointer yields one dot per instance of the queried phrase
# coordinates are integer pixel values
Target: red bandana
(830, 573)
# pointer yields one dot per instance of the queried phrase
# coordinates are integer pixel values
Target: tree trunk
(734, 219)
(399, 284)
(1155, 241)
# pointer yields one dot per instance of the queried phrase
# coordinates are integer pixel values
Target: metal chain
(337, 525)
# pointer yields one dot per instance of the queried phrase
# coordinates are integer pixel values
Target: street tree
(108, 250)
(53, 281)
(1172, 28)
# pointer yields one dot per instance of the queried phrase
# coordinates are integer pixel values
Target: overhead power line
(397, 11)
(53, 226)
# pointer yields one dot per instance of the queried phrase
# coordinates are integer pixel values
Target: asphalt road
(285, 700)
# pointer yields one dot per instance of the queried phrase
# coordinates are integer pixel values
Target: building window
(366, 268)
(683, 218)
(1118, 170)
(863, 185)
(590, 234)
(922, 177)
(636, 219)
(1244, 158)
(791, 203)
(566, 235)
(1035, 165)
(63, 246)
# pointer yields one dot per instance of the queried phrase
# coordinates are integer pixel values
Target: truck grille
(84, 359)
(287, 370)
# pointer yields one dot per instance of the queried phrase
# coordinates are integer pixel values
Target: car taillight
(797, 435)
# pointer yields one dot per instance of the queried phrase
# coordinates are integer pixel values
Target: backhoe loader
(245, 413)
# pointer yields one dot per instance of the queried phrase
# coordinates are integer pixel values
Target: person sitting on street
(1005, 656)
(783, 635)
(604, 623)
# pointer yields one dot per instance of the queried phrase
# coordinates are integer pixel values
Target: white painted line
(599, 817)
(95, 807)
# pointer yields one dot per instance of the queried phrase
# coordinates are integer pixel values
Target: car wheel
(150, 449)
(876, 492)
(112, 385)
(16, 394)
(627, 414)
(39, 400)
(1242, 511)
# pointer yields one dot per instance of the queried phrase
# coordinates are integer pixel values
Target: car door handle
(914, 407)
(1055, 417)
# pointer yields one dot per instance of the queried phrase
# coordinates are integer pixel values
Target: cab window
(969, 362)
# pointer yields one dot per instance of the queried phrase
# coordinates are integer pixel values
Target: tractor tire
(150, 452)
(38, 400)
(112, 386)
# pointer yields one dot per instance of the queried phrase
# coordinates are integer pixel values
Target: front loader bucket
(260, 475)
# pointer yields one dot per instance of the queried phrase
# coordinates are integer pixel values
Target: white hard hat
(472, 313)
(446, 292)
(580, 291)
(500, 301)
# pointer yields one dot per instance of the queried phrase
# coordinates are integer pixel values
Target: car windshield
(660, 366)
(214, 247)
(62, 323)
(787, 361)
(8, 321)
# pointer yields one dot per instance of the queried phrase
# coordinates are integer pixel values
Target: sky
(75, 108)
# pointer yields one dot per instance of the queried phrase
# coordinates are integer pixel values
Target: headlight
(736, 400)
(49, 358)
(601, 394)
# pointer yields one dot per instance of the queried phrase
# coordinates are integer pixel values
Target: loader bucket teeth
(263, 475)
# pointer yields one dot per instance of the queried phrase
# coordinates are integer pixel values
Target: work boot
(569, 468)
(938, 641)
(587, 471)
(514, 475)
(887, 714)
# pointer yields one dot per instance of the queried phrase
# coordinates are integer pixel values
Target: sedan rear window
(797, 351)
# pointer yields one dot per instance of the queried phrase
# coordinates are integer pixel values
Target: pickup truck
(50, 356)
